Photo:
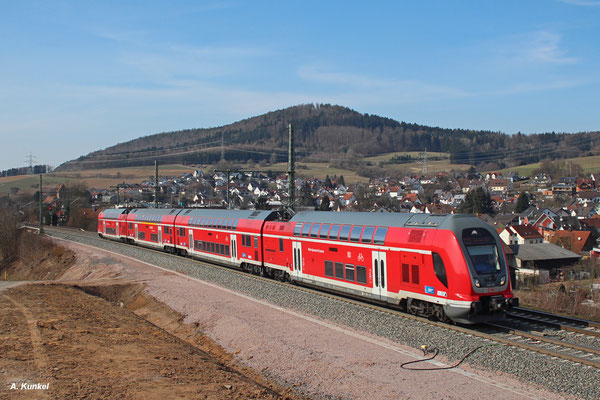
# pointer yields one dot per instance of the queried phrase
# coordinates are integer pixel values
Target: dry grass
(568, 298)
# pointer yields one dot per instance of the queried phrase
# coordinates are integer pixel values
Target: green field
(590, 165)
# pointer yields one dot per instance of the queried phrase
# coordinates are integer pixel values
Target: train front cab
(112, 223)
(482, 285)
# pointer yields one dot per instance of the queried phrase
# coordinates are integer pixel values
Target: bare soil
(86, 347)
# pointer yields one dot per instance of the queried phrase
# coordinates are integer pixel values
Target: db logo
(361, 257)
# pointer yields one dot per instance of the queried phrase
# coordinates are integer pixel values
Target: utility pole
(41, 209)
(291, 170)
(155, 183)
(31, 159)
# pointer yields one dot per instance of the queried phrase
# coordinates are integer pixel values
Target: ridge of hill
(332, 133)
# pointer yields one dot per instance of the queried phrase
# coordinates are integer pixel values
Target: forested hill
(326, 132)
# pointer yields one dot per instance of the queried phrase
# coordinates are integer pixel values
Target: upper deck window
(298, 229)
(380, 234)
(345, 232)
(324, 231)
(355, 234)
(333, 233)
(314, 231)
(306, 229)
(367, 234)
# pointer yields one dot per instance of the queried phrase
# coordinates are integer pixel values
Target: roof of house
(527, 231)
(576, 239)
(542, 251)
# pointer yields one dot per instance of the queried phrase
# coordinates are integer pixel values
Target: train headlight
(502, 280)
(477, 283)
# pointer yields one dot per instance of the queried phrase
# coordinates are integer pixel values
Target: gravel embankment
(557, 375)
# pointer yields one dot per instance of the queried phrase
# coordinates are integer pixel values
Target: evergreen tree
(306, 195)
(324, 206)
(522, 203)
(477, 201)
(262, 203)
(341, 180)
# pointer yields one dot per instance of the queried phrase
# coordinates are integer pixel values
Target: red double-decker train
(449, 267)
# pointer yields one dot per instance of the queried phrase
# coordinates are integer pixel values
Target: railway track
(531, 337)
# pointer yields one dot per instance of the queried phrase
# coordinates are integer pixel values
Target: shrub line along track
(387, 310)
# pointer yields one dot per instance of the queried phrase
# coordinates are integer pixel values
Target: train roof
(452, 222)
(113, 213)
(258, 215)
(154, 211)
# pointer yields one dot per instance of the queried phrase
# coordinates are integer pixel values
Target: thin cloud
(390, 90)
(540, 47)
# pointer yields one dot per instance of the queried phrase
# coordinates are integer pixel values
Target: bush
(8, 235)
(84, 218)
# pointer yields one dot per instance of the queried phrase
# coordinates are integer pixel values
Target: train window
(188, 211)
(324, 231)
(229, 223)
(235, 224)
(355, 234)
(222, 246)
(339, 270)
(367, 234)
(415, 274)
(361, 274)
(382, 266)
(213, 222)
(227, 250)
(376, 269)
(333, 233)
(141, 235)
(256, 242)
(154, 237)
(405, 273)
(130, 226)
(298, 229)
(306, 229)
(439, 269)
(380, 235)
(281, 245)
(203, 221)
(212, 248)
(350, 272)
(344, 232)
(329, 268)
(314, 231)
(204, 246)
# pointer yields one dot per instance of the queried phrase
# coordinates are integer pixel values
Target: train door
(191, 243)
(136, 231)
(233, 239)
(160, 234)
(297, 258)
(118, 231)
(104, 227)
(380, 280)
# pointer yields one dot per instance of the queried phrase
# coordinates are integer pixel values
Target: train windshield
(482, 249)
(484, 259)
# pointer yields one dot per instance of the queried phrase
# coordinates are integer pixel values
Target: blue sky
(78, 76)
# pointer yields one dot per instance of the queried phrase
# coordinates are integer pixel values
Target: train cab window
(367, 235)
(256, 242)
(298, 229)
(235, 224)
(314, 231)
(482, 250)
(355, 234)
(329, 269)
(380, 234)
(305, 230)
(361, 274)
(439, 269)
(280, 245)
(345, 232)
(324, 231)
(350, 272)
(339, 270)
(333, 233)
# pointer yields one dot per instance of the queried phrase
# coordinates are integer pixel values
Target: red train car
(446, 266)
(451, 267)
